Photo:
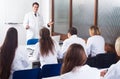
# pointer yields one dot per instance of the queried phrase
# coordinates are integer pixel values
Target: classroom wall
(108, 18)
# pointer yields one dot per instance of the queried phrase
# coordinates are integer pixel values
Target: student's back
(48, 59)
(11, 57)
(74, 67)
(47, 49)
(95, 43)
(72, 38)
(82, 72)
(21, 60)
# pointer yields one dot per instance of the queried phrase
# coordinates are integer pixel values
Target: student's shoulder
(66, 40)
(67, 75)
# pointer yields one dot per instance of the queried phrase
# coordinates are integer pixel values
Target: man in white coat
(72, 38)
(33, 22)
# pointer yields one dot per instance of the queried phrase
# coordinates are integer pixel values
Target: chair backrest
(50, 70)
(104, 60)
(32, 41)
(27, 74)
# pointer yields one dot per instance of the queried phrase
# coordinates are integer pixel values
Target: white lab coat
(51, 58)
(35, 23)
(95, 45)
(73, 39)
(82, 72)
(20, 61)
(113, 72)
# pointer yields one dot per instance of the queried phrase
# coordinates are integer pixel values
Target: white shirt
(20, 61)
(51, 58)
(113, 72)
(71, 40)
(35, 23)
(82, 72)
(95, 45)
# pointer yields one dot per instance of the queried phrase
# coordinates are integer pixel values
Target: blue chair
(32, 41)
(28, 74)
(50, 70)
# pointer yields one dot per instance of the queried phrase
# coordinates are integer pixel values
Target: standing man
(33, 22)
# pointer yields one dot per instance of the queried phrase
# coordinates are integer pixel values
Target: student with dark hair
(74, 67)
(47, 50)
(12, 57)
(95, 43)
(33, 21)
(72, 38)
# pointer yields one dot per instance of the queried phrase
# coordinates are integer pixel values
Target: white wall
(20, 29)
(44, 10)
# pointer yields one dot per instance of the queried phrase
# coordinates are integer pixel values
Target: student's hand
(102, 73)
(27, 27)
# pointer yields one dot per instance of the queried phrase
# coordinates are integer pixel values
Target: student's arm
(21, 60)
(88, 46)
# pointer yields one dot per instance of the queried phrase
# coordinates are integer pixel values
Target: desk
(55, 77)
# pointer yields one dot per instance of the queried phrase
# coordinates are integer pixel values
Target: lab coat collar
(80, 68)
(73, 36)
(36, 13)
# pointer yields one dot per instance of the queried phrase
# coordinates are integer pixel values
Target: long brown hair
(7, 52)
(46, 43)
(75, 56)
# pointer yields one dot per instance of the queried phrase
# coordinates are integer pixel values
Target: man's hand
(49, 24)
(102, 73)
(27, 27)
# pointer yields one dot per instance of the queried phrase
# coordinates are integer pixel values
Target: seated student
(114, 71)
(72, 38)
(12, 56)
(95, 43)
(74, 66)
(47, 50)
(104, 60)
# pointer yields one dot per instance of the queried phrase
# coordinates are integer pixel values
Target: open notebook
(55, 77)
(56, 38)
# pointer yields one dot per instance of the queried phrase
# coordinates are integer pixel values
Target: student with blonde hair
(95, 43)
(114, 71)
(74, 66)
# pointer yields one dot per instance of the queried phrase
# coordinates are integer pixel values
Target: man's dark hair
(72, 31)
(35, 3)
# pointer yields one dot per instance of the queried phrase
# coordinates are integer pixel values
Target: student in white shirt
(74, 66)
(114, 71)
(95, 43)
(12, 57)
(47, 50)
(72, 38)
